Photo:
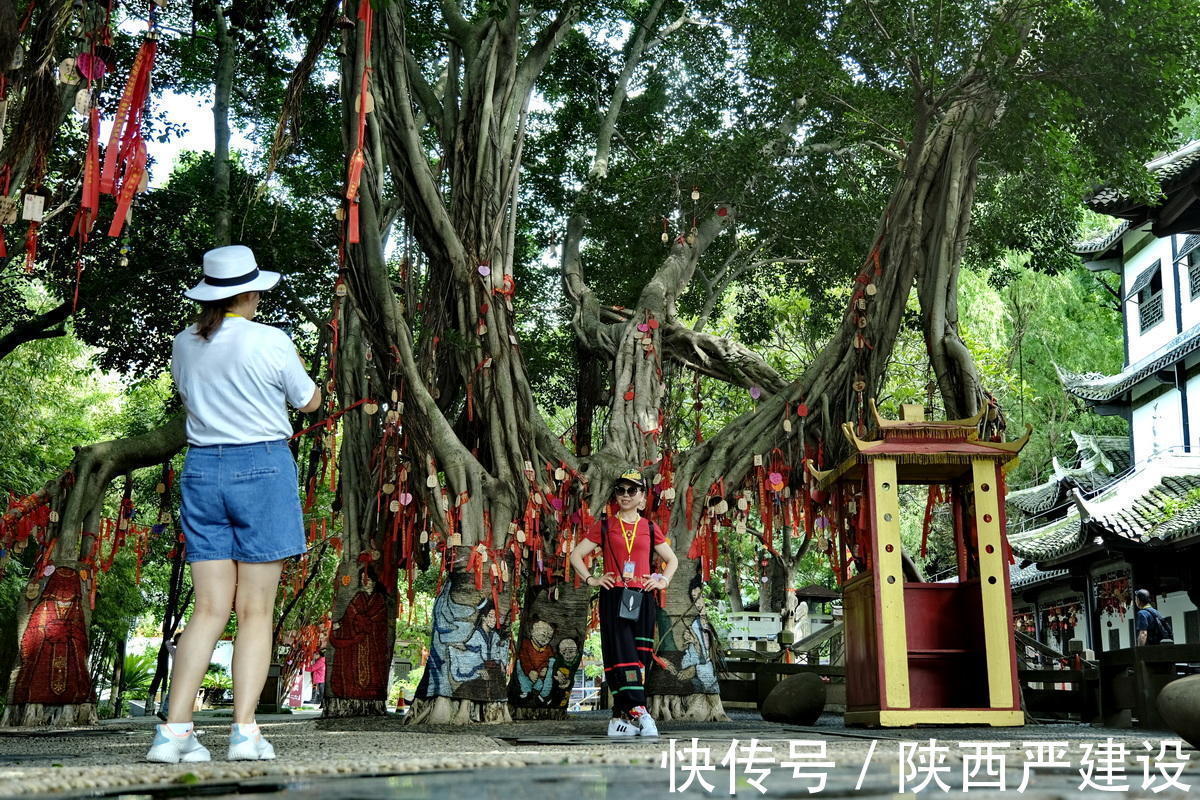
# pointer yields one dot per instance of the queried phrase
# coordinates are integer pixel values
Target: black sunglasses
(626, 489)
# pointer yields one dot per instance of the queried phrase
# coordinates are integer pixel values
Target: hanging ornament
(33, 208)
(90, 66)
(67, 74)
(695, 193)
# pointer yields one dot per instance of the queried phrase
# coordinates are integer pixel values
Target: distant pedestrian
(1151, 626)
(317, 670)
(241, 505)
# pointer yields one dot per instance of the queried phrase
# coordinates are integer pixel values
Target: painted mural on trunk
(469, 651)
(685, 650)
(359, 665)
(54, 646)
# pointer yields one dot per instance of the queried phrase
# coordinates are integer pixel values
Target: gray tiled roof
(1059, 538)
(1100, 388)
(1167, 510)
(1098, 459)
(1020, 577)
(1168, 170)
(1101, 243)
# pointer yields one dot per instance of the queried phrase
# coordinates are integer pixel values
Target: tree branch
(636, 48)
(535, 60)
(46, 325)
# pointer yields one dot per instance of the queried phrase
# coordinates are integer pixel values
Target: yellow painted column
(997, 626)
(889, 570)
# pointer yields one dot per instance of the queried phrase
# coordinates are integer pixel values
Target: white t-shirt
(234, 384)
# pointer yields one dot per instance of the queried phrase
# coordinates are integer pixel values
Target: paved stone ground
(382, 758)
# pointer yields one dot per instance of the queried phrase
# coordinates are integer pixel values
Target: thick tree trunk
(687, 687)
(466, 674)
(550, 648)
(364, 599)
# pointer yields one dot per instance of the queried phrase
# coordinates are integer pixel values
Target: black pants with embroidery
(628, 649)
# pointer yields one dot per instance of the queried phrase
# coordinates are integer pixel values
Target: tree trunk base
(539, 713)
(691, 707)
(448, 711)
(36, 715)
(349, 707)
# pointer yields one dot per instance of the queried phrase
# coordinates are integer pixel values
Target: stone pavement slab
(381, 757)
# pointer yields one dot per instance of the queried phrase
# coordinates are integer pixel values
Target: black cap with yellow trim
(633, 476)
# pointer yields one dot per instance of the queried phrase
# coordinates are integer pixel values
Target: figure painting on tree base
(54, 646)
(360, 666)
(544, 669)
(468, 658)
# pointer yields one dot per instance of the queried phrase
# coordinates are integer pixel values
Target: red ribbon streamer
(358, 159)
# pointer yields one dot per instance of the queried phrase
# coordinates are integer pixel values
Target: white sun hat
(229, 271)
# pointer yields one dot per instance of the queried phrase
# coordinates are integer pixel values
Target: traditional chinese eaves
(1060, 538)
(1177, 174)
(1102, 245)
(1023, 577)
(923, 451)
(1098, 459)
(1099, 388)
(1157, 506)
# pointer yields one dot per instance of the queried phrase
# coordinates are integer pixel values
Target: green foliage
(51, 400)
(138, 672)
(217, 677)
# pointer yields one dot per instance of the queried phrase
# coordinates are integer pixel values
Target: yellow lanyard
(630, 536)
(231, 314)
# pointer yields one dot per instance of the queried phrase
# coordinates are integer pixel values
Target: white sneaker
(248, 746)
(621, 727)
(170, 748)
(644, 721)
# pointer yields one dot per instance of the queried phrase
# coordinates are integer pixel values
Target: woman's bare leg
(254, 603)
(214, 583)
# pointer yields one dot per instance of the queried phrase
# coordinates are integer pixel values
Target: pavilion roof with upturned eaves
(1096, 387)
(925, 452)
(1098, 461)
(1157, 506)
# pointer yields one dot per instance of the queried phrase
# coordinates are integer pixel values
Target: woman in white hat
(241, 505)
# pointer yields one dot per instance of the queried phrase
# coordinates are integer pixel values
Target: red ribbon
(130, 184)
(358, 159)
(89, 203)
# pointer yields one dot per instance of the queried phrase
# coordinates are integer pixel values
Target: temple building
(1124, 513)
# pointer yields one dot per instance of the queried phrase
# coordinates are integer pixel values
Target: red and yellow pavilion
(919, 652)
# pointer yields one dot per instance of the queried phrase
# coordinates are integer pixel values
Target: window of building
(1114, 639)
(1191, 627)
(1193, 267)
(1150, 299)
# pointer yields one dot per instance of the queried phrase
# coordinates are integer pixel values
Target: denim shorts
(241, 502)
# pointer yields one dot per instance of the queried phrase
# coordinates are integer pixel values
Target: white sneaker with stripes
(618, 726)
